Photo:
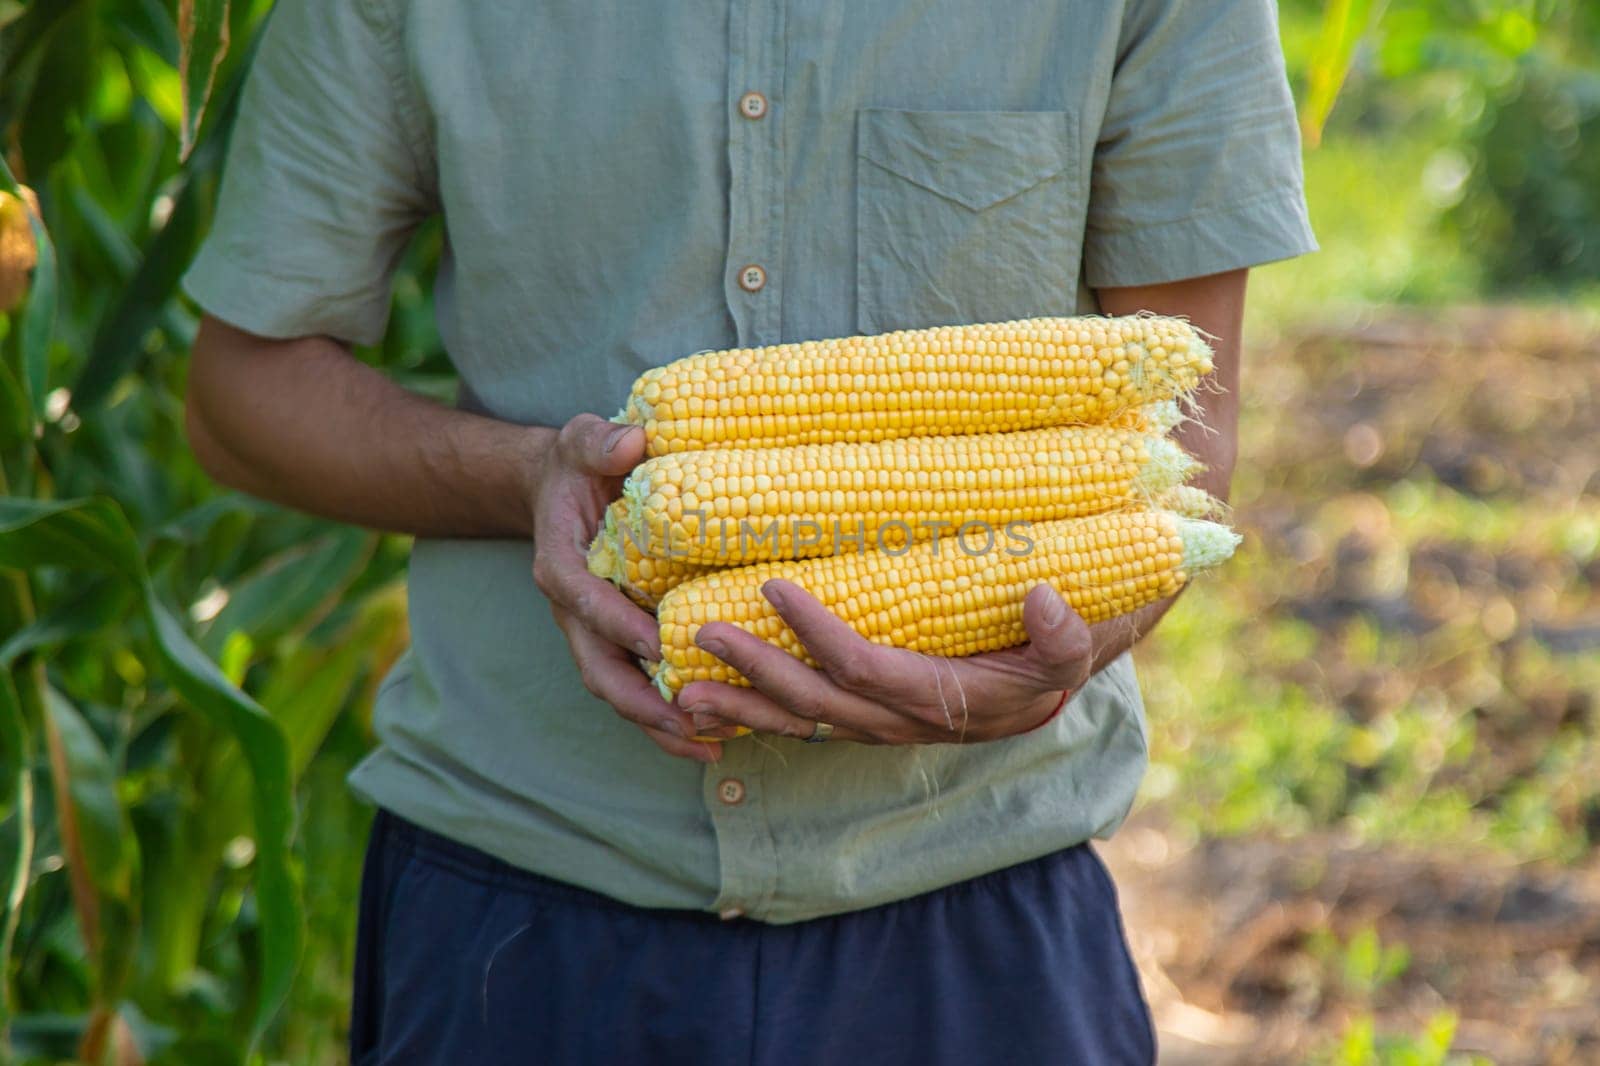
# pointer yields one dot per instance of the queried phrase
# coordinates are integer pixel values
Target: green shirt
(607, 175)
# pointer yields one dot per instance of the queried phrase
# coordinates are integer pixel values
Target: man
(558, 874)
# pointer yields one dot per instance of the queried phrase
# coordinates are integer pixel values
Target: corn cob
(940, 600)
(993, 377)
(616, 555)
(734, 506)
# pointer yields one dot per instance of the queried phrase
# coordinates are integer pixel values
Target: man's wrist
(529, 458)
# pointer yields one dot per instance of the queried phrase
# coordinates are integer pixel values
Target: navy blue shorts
(462, 959)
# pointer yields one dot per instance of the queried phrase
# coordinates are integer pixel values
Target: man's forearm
(305, 424)
(1215, 305)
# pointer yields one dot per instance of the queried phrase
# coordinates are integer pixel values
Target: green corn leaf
(23, 41)
(123, 256)
(91, 610)
(306, 693)
(290, 588)
(150, 23)
(53, 116)
(95, 534)
(139, 307)
(47, 1037)
(204, 687)
(14, 753)
(144, 301)
(312, 683)
(84, 534)
(16, 418)
(1344, 23)
(105, 836)
(195, 525)
(18, 785)
(202, 42)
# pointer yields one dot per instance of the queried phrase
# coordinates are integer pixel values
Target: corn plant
(175, 657)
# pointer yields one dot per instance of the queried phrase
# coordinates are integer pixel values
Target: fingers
(591, 445)
(602, 609)
(1059, 643)
(610, 675)
(710, 701)
(560, 569)
(798, 689)
(913, 685)
(564, 520)
(852, 661)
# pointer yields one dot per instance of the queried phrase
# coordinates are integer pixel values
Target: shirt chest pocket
(966, 216)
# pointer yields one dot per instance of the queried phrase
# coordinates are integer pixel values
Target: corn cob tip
(603, 559)
(1146, 366)
(1168, 465)
(1164, 417)
(663, 676)
(1205, 544)
(1191, 501)
(636, 501)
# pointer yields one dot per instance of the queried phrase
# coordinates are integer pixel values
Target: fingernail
(773, 595)
(1055, 611)
(712, 645)
(614, 438)
(645, 651)
(670, 725)
(702, 708)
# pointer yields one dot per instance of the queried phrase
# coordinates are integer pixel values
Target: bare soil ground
(1220, 930)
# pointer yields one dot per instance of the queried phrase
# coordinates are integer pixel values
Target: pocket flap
(976, 158)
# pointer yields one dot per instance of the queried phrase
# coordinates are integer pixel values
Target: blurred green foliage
(1494, 109)
(1360, 964)
(1362, 1046)
(178, 659)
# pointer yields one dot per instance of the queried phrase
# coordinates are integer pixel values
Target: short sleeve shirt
(625, 183)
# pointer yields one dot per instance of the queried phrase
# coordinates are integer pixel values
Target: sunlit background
(1366, 834)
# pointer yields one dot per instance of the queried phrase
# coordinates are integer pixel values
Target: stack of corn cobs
(918, 483)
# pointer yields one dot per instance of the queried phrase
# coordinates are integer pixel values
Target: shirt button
(752, 278)
(731, 791)
(753, 105)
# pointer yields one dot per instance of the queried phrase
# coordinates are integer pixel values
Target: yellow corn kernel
(736, 506)
(940, 600)
(1029, 373)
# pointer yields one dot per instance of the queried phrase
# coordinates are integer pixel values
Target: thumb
(1059, 639)
(591, 445)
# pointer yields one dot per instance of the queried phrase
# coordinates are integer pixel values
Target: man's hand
(606, 632)
(881, 695)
